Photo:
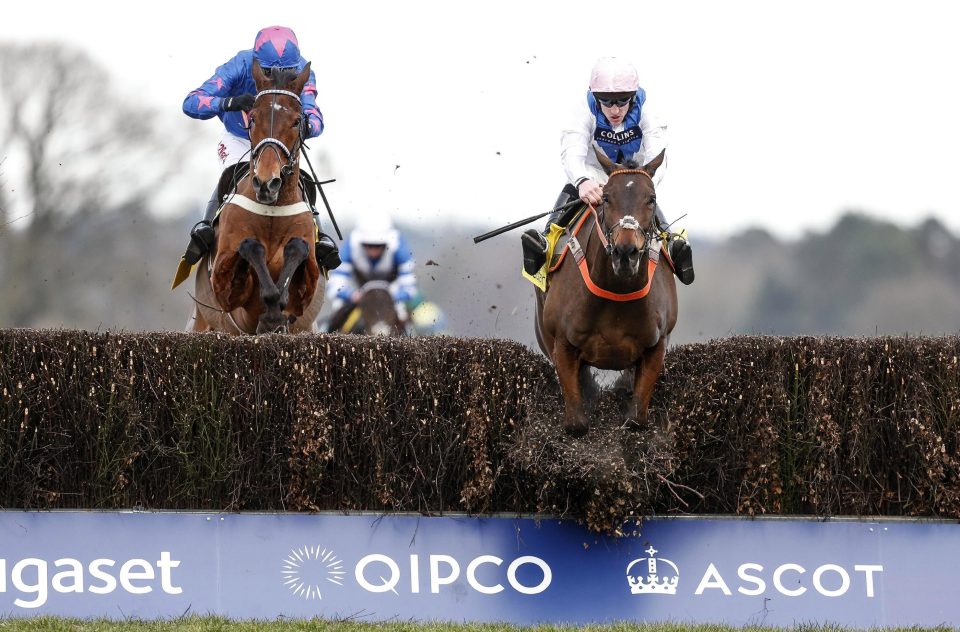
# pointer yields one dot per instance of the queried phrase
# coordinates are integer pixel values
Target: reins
(292, 155)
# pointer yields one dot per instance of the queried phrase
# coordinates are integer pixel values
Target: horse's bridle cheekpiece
(288, 168)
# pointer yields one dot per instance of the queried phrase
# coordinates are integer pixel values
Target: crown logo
(653, 575)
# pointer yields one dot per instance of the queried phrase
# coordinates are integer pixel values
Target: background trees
(81, 165)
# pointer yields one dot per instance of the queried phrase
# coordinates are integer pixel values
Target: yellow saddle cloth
(540, 278)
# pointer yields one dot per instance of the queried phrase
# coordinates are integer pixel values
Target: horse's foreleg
(589, 388)
(254, 253)
(294, 254)
(272, 318)
(566, 359)
(647, 371)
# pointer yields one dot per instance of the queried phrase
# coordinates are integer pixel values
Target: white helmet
(374, 228)
(613, 74)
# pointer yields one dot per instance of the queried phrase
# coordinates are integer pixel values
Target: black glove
(234, 104)
(305, 127)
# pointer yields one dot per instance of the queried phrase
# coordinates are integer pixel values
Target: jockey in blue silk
(616, 117)
(374, 251)
(618, 145)
(229, 94)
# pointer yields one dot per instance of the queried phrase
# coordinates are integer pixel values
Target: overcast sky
(780, 115)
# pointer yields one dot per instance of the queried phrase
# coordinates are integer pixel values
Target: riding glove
(243, 102)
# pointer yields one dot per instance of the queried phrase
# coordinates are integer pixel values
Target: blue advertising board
(459, 568)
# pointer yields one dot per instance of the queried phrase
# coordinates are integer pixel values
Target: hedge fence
(758, 425)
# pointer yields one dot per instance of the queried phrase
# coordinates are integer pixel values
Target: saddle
(229, 180)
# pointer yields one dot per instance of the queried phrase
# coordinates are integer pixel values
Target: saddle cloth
(553, 251)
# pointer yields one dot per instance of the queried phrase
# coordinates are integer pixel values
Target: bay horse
(609, 304)
(378, 310)
(262, 274)
(375, 314)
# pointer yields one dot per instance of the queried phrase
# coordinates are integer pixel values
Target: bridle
(627, 222)
(278, 145)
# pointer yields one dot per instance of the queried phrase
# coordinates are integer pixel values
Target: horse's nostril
(256, 182)
(275, 184)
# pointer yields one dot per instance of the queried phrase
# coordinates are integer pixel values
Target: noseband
(279, 146)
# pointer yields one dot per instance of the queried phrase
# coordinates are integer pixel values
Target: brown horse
(609, 304)
(378, 310)
(262, 275)
(375, 314)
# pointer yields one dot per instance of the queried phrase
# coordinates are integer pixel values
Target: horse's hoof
(637, 422)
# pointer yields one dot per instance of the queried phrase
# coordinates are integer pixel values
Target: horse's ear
(301, 79)
(652, 166)
(258, 77)
(608, 165)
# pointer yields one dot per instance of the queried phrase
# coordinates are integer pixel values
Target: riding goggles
(619, 103)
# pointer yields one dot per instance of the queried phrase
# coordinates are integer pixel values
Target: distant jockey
(374, 251)
(615, 115)
(229, 95)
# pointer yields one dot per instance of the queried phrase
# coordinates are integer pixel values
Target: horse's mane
(631, 164)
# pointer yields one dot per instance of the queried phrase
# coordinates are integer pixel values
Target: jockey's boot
(534, 242)
(328, 255)
(202, 234)
(682, 257)
(679, 249)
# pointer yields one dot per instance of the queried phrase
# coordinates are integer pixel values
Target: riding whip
(508, 227)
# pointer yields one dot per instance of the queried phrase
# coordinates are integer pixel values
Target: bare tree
(75, 148)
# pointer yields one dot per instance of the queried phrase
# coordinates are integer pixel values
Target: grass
(214, 624)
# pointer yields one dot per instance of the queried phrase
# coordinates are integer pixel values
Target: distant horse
(378, 310)
(262, 275)
(375, 314)
(608, 303)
